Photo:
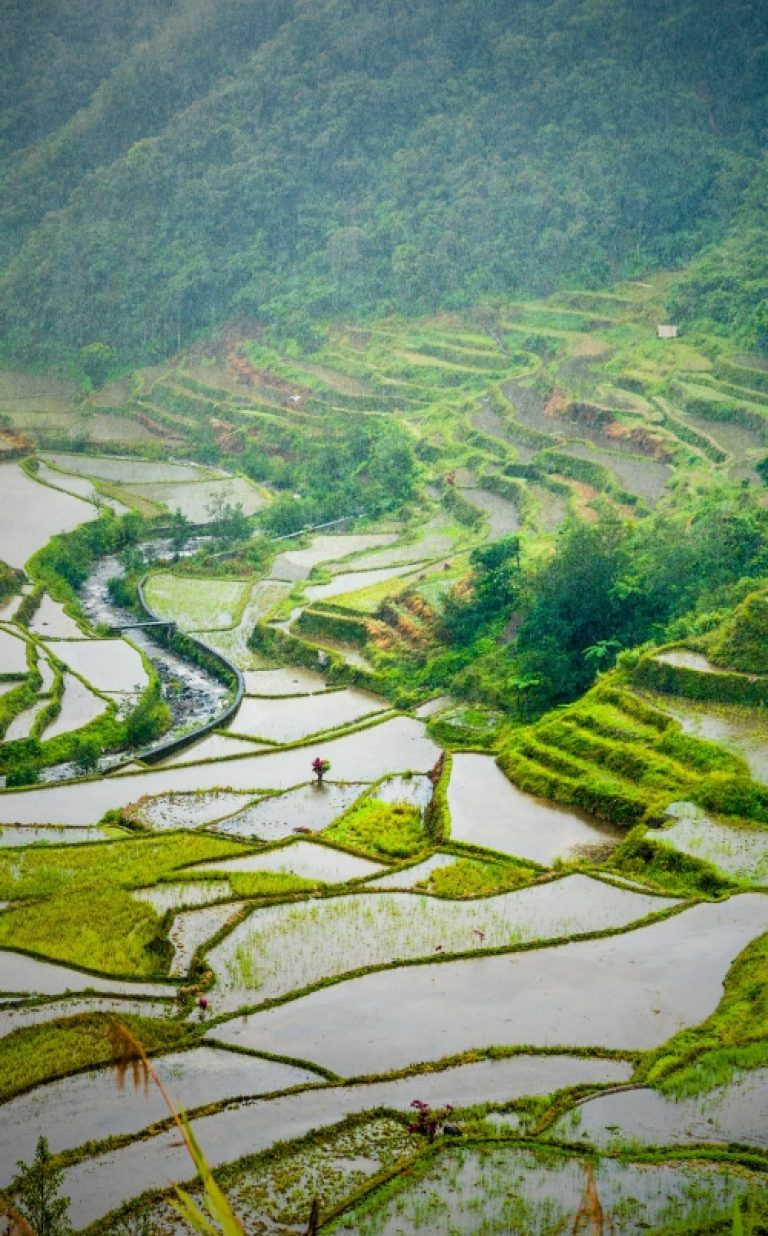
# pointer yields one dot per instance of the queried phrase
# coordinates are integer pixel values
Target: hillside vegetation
(165, 167)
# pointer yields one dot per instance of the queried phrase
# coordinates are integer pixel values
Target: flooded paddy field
(79, 705)
(46, 512)
(196, 604)
(736, 1112)
(51, 621)
(294, 681)
(92, 1106)
(191, 929)
(741, 730)
(289, 947)
(629, 991)
(24, 975)
(13, 653)
(17, 1016)
(98, 1185)
(302, 858)
(189, 810)
(739, 852)
(31, 834)
(487, 810)
(494, 1190)
(391, 747)
(309, 807)
(280, 720)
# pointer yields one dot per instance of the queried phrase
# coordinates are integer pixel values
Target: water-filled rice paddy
(736, 1112)
(293, 564)
(29, 834)
(739, 852)
(191, 810)
(13, 653)
(286, 720)
(355, 581)
(79, 705)
(285, 948)
(196, 604)
(503, 516)
(191, 929)
(46, 512)
(98, 1185)
(22, 723)
(308, 806)
(302, 858)
(629, 991)
(20, 974)
(686, 658)
(51, 621)
(184, 894)
(129, 469)
(497, 1190)
(291, 681)
(198, 499)
(109, 665)
(214, 747)
(742, 730)
(92, 1106)
(18, 1016)
(419, 872)
(395, 745)
(486, 809)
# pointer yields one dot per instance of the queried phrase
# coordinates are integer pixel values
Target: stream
(194, 695)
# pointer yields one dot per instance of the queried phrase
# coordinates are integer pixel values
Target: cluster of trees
(185, 161)
(610, 585)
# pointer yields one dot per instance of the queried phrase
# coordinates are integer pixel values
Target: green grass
(106, 931)
(67, 1045)
(270, 883)
(137, 861)
(469, 877)
(380, 830)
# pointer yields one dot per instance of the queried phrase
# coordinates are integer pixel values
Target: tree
(37, 1192)
(97, 359)
(179, 531)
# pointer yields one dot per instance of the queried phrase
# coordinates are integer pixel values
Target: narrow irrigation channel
(199, 699)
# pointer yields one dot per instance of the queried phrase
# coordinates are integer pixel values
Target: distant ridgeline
(168, 166)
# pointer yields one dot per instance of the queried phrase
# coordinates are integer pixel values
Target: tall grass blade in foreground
(127, 1054)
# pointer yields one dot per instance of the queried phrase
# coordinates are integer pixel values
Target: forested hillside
(167, 166)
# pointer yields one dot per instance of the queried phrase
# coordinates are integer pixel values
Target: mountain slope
(347, 156)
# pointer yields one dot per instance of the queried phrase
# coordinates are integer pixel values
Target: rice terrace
(383, 652)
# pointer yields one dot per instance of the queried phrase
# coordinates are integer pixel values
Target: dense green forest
(167, 166)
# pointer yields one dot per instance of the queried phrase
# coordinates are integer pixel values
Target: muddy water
(99, 1185)
(46, 513)
(13, 654)
(740, 852)
(79, 705)
(302, 858)
(523, 1191)
(487, 809)
(193, 695)
(503, 516)
(309, 806)
(637, 474)
(27, 975)
(110, 665)
(77, 1109)
(28, 834)
(17, 1018)
(742, 730)
(391, 747)
(283, 720)
(289, 947)
(51, 621)
(629, 991)
(297, 563)
(184, 893)
(412, 876)
(353, 581)
(192, 928)
(737, 1112)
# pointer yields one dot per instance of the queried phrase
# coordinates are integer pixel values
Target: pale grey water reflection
(99, 1185)
(487, 809)
(628, 991)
